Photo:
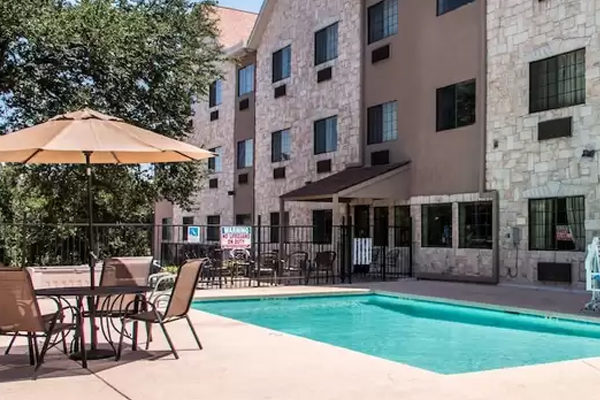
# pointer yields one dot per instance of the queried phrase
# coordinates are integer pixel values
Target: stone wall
(210, 134)
(295, 22)
(454, 261)
(518, 165)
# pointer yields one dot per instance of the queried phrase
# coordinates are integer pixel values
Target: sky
(248, 5)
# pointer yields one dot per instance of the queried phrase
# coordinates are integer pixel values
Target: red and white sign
(563, 233)
(236, 237)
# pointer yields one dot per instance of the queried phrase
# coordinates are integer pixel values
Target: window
(246, 80)
(280, 146)
(167, 229)
(456, 106)
(243, 220)
(214, 96)
(381, 225)
(383, 20)
(326, 135)
(187, 221)
(402, 226)
(213, 229)
(282, 64)
(444, 6)
(382, 123)
(326, 44)
(215, 163)
(275, 227)
(557, 224)
(557, 81)
(322, 226)
(475, 227)
(436, 229)
(245, 154)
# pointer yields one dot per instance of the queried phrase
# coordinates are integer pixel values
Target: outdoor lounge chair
(177, 308)
(267, 263)
(20, 316)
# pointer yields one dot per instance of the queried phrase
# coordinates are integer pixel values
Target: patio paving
(241, 361)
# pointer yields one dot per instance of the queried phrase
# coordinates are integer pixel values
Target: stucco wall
(518, 165)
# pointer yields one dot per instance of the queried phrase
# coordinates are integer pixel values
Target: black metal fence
(278, 255)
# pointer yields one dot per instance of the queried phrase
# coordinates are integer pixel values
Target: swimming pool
(440, 337)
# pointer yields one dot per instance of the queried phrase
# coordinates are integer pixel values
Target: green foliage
(144, 61)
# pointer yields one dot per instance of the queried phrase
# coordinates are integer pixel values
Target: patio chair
(20, 316)
(177, 308)
(296, 265)
(240, 262)
(123, 271)
(267, 263)
(325, 264)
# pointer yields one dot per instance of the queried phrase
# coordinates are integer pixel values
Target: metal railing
(288, 255)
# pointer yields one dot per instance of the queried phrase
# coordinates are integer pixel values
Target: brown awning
(349, 183)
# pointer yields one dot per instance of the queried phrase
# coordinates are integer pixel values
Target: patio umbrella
(89, 137)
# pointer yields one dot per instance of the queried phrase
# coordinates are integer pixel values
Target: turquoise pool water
(439, 337)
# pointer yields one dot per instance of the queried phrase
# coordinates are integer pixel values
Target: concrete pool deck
(241, 361)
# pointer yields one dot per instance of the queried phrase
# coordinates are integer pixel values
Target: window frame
(462, 215)
(402, 227)
(248, 151)
(535, 88)
(381, 33)
(279, 155)
(329, 53)
(329, 137)
(382, 123)
(278, 67)
(441, 10)
(425, 239)
(215, 164)
(248, 86)
(554, 216)
(440, 108)
(215, 94)
(274, 227)
(322, 232)
(213, 229)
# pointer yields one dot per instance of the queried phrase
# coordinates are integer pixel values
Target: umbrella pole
(88, 171)
(92, 262)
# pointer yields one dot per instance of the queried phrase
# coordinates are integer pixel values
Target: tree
(144, 61)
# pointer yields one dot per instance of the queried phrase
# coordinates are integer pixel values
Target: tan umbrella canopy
(90, 137)
(66, 139)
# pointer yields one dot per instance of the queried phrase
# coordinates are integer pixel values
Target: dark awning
(347, 184)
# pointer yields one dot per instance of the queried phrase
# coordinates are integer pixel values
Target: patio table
(91, 294)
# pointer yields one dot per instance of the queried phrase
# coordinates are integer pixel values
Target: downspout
(484, 193)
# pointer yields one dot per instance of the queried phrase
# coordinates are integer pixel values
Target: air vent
(555, 128)
(554, 272)
(213, 183)
(323, 166)
(380, 157)
(324, 74)
(214, 115)
(243, 179)
(380, 54)
(279, 173)
(244, 104)
(280, 91)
